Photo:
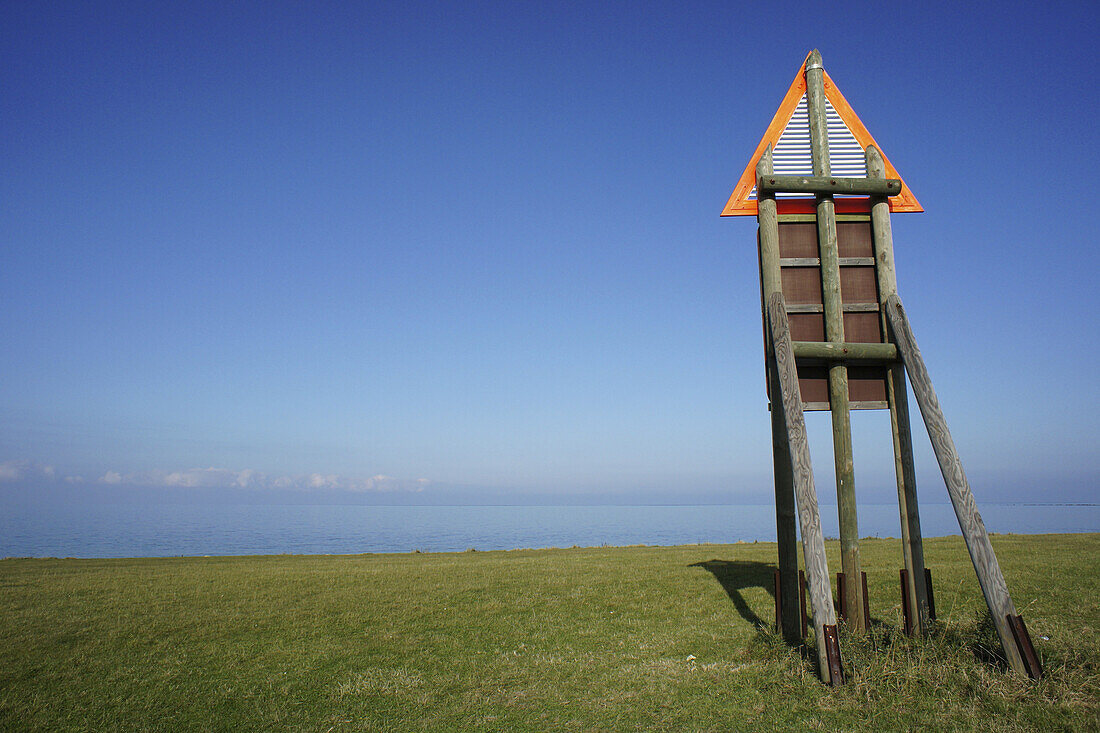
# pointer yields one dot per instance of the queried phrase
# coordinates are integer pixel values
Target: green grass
(654, 638)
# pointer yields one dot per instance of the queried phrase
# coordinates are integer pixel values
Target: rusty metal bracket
(802, 603)
(832, 652)
(928, 591)
(866, 604)
(1023, 643)
(778, 604)
(908, 621)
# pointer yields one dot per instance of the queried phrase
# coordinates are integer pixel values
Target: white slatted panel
(791, 154)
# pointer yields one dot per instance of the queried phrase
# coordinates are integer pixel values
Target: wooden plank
(853, 405)
(869, 405)
(812, 218)
(813, 542)
(919, 592)
(786, 531)
(819, 308)
(828, 185)
(845, 352)
(834, 331)
(990, 578)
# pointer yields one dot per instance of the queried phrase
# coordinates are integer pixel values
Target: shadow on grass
(735, 576)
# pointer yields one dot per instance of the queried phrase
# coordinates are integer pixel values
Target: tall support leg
(781, 453)
(789, 402)
(834, 332)
(973, 529)
(911, 542)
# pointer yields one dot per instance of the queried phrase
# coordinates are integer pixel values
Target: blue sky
(474, 249)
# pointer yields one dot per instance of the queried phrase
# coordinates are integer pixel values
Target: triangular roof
(789, 136)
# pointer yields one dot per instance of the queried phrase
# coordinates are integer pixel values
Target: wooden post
(985, 562)
(786, 534)
(787, 400)
(896, 396)
(834, 331)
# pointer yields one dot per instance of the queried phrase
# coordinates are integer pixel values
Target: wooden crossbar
(867, 353)
(829, 185)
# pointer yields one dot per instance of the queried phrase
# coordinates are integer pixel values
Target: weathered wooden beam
(789, 401)
(829, 185)
(896, 395)
(973, 529)
(816, 261)
(811, 218)
(834, 331)
(876, 353)
(785, 528)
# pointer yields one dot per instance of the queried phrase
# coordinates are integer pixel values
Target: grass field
(638, 638)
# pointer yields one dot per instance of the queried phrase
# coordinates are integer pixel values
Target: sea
(168, 530)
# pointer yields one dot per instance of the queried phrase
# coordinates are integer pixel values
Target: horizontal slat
(822, 406)
(816, 262)
(785, 218)
(819, 308)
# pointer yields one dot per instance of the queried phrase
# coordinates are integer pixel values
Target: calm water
(166, 530)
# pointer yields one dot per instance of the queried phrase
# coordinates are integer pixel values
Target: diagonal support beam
(813, 543)
(990, 578)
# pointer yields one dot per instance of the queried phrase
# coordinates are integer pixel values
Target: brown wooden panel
(813, 383)
(807, 326)
(853, 239)
(798, 239)
(857, 285)
(862, 328)
(801, 284)
(866, 383)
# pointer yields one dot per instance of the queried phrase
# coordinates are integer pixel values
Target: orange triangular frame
(740, 204)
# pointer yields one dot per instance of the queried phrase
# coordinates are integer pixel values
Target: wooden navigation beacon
(836, 338)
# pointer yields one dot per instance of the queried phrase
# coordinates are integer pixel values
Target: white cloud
(217, 478)
(205, 477)
(249, 478)
(317, 481)
(23, 470)
(10, 471)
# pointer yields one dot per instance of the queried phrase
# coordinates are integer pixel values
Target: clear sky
(474, 249)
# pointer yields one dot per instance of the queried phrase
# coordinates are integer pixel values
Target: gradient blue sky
(479, 244)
